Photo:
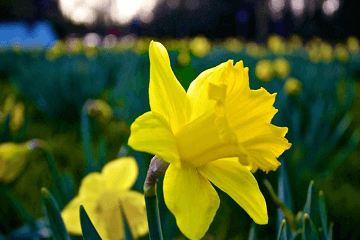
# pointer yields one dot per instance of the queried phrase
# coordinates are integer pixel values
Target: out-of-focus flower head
(254, 50)
(91, 51)
(17, 117)
(74, 45)
(341, 53)
(282, 67)
(184, 58)
(326, 51)
(353, 44)
(103, 195)
(218, 131)
(313, 49)
(295, 42)
(141, 45)
(233, 44)
(13, 158)
(100, 110)
(292, 86)
(276, 44)
(264, 70)
(200, 46)
(56, 51)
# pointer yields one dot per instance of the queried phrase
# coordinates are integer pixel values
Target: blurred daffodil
(13, 158)
(292, 86)
(215, 132)
(353, 44)
(184, 58)
(233, 44)
(295, 42)
(276, 44)
(200, 46)
(103, 195)
(17, 117)
(282, 67)
(56, 51)
(264, 70)
(100, 110)
(341, 53)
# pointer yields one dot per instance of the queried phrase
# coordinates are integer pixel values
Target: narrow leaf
(127, 231)
(323, 216)
(312, 206)
(309, 230)
(252, 233)
(52, 212)
(88, 230)
(282, 235)
(152, 210)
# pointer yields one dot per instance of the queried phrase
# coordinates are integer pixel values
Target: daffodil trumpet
(217, 131)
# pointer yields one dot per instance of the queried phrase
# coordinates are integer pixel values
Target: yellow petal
(238, 182)
(71, 213)
(151, 133)
(92, 184)
(109, 213)
(120, 174)
(191, 198)
(166, 95)
(134, 207)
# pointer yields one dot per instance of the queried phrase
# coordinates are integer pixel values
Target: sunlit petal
(120, 174)
(166, 95)
(238, 182)
(191, 198)
(151, 133)
(92, 184)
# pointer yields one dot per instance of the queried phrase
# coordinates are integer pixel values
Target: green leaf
(312, 206)
(153, 215)
(282, 234)
(52, 212)
(309, 230)
(88, 229)
(323, 216)
(86, 140)
(330, 232)
(252, 233)
(127, 231)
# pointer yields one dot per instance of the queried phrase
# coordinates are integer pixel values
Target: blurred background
(58, 56)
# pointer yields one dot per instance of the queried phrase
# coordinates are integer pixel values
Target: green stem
(153, 215)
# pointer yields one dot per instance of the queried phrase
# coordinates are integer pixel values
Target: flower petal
(134, 207)
(120, 174)
(151, 133)
(166, 95)
(191, 198)
(239, 183)
(92, 185)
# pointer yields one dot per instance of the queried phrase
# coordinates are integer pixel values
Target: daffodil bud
(282, 67)
(100, 110)
(17, 117)
(292, 86)
(200, 46)
(156, 169)
(264, 70)
(13, 158)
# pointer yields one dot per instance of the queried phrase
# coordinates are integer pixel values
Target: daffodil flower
(103, 195)
(215, 132)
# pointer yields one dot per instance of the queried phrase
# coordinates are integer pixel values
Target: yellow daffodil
(215, 132)
(353, 44)
(13, 158)
(17, 117)
(103, 195)
(100, 110)
(292, 86)
(264, 70)
(282, 67)
(200, 46)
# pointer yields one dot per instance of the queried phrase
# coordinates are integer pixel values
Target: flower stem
(157, 168)
(153, 215)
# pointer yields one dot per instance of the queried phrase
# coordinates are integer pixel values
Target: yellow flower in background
(276, 44)
(184, 58)
(326, 51)
(292, 86)
(13, 158)
(215, 132)
(341, 53)
(353, 45)
(17, 117)
(100, 110)
(295, 42)
(103, 195)
(233, 44)
(200, 46)
(56, 51)
(282, 67)
(264, 70)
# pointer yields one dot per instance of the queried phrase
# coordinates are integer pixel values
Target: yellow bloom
(276, 44)
(353, 45)
(264, 70)
(17, 117)
(200, 46)
(100, 110)
(13, 158)
(101, 194)
(233, 44)
(215, 132)
(282, 67)
(292, 86)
